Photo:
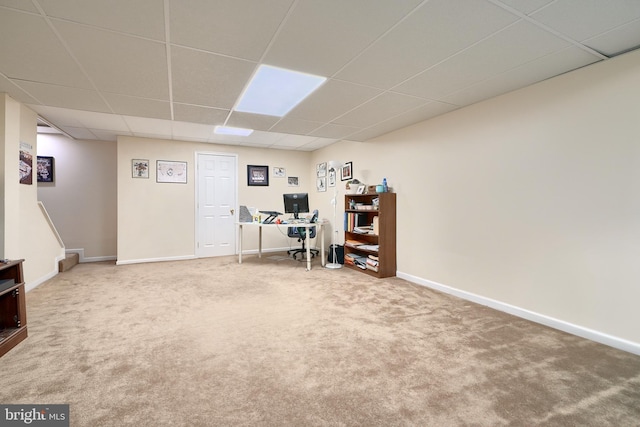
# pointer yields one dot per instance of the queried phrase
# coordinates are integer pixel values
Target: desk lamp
(335, 165)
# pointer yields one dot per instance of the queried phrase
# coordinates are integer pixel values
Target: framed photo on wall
(257, 175)
(140, 168)
(169, 171)
(45, 169)
(346, 172)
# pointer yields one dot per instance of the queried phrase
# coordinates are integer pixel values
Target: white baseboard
(83, 258)
(140, 261)
(34, 284)
(590, 334)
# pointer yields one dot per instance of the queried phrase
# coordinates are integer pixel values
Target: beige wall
(82, 199)
(27, 234)
(156, 221)
(531, 199)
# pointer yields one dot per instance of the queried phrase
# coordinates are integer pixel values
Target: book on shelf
(372, 248)
(353, 220)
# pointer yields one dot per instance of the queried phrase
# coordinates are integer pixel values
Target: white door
(216, 202)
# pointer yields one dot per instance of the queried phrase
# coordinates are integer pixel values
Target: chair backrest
(301, 232)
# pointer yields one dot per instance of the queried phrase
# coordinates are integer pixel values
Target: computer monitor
(296, 203)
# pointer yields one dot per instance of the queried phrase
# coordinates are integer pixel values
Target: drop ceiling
(174, 69)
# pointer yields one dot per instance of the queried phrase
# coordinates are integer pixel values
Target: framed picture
(279, 172)
(26, 167)
(332, 177)
(45, 169)
(321, 183)
(321, 170)
(257, 175)
(169, 171)
(361, 189)
(139, 168)
(346, 172)
(292, 181)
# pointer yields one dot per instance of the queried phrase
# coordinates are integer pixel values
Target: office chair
(301, 234)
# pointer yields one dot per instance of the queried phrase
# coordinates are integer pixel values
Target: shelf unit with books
(370, 233)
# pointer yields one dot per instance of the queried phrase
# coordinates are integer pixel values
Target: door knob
(232, 211)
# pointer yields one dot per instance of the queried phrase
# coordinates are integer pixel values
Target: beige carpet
(210, 342)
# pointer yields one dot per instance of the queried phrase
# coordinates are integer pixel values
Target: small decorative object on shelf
(370, 233)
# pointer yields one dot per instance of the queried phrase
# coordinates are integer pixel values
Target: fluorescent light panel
(226, 130)
(275, 91)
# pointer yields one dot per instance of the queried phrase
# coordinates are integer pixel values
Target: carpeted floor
(210, 342)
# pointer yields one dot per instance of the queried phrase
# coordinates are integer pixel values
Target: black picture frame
(346, 172)
(257, 175)
(45, 169)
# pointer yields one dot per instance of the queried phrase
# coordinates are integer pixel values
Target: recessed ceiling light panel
(275, 91)
(226, 130)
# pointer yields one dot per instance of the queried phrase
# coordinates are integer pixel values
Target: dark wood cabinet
(370, 233)
(13, 307)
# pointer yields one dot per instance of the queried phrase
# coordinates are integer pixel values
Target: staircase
(69, 261)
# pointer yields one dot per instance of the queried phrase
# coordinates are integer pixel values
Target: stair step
(69, 261)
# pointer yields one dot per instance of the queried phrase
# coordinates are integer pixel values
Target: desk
(319, 235)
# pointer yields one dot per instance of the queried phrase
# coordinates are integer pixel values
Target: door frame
(197, 200)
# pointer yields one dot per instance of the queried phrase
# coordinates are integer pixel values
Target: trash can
(339, 250)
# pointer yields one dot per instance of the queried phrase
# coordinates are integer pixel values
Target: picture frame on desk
(361, 189)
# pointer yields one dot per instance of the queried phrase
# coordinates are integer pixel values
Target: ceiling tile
(140, 125)
(494, 55)
(207, 79)
(379, 109)
(416, 115)
(251, 121)
(79, 133)
(534, 71)
(320, 37)
(19, 4)
(63, 96)
(526, 6)
(40, 57)
(619, 40)
(103, 135)
(134, 106)
(199, 114)
(59, 116)
(295, 126)
(227, 26)
(102, 121)
(316, 144)
(334, 131)
(191, 130)
(333, 99)
(437, 30)
(141, 64)
(584, 19)
(16, 92)
(140, 17)
(294, 141)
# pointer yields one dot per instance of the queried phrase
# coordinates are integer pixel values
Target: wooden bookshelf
(13, 310)
(360, 211)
